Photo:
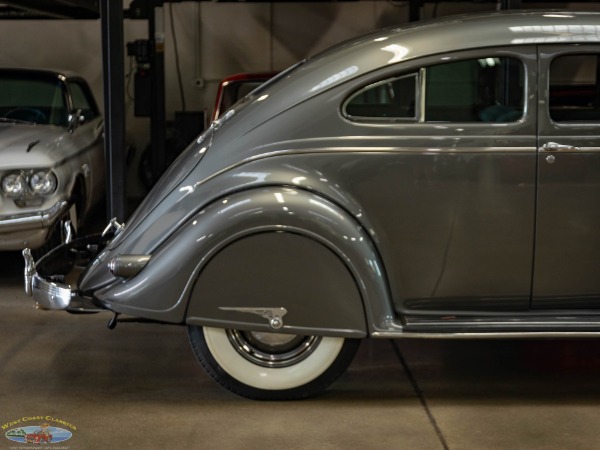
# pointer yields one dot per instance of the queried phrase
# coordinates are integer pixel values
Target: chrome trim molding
(113, 228)
(29, 271)
(273, 315)
(33, 220)
(68, 232)
(483, 335)
(273, 350)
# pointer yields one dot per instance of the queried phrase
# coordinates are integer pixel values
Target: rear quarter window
(489, 89)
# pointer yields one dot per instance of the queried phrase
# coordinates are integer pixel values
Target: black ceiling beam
(56, 9)
(90, 9)
(11, 13)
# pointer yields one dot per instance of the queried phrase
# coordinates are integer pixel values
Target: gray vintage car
(51, 157)
(436, 180)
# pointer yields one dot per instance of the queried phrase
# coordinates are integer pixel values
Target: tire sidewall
(266, 378)
(306, 386)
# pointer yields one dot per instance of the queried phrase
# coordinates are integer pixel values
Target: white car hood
(29, 146)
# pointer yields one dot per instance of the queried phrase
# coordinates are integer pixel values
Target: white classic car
(51, 157)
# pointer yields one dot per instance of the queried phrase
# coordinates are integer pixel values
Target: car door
(455, 188)
(567, 249)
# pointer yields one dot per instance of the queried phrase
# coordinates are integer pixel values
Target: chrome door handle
(555, 147)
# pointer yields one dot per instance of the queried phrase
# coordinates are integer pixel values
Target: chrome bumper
(50, 291)
(47, 294)
(31, 221)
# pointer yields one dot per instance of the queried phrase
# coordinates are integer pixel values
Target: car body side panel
(278, 270)
(567, 256)
(89, 160)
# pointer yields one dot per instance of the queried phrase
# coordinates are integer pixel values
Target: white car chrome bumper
(34, 220)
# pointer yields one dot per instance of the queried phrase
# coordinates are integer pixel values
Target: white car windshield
(32, 99)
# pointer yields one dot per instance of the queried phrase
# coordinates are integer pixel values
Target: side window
(394, 99)
(81, 101)
(574, 92)
(475, 90)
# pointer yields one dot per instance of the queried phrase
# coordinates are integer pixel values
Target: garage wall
(219, 39)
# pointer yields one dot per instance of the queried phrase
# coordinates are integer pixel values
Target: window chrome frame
(376, 119)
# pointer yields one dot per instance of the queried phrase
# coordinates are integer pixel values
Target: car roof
(50, 73)
(390, 46)
(462, 32)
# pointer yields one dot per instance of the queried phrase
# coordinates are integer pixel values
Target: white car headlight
(14, 184)
(29, 183)
(43, 182)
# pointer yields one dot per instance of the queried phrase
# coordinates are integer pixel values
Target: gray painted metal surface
(420, 226)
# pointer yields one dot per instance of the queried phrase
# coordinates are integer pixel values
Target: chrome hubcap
(272, 349)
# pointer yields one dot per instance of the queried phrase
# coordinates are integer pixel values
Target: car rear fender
(270, 248)
(288, 253)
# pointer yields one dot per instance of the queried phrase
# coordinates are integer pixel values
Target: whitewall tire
(271, 366)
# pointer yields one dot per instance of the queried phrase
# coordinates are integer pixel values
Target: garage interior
(139, 384)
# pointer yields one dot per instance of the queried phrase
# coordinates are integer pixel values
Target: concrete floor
(139, 386)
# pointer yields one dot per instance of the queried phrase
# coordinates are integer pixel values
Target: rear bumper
(49, 294)
(45, 280)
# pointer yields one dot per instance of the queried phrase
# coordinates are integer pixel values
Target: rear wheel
(271, 366)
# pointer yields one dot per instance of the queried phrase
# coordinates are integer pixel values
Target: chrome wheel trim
(273, 350)
(268, 378)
